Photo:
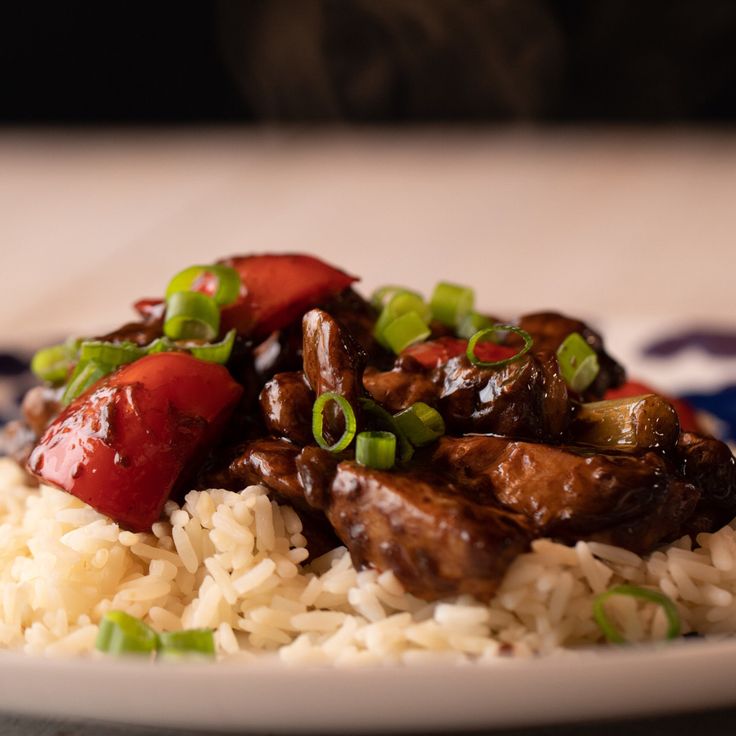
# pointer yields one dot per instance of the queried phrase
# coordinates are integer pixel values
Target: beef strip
(333, 361)
(665, 521)
(401, 387)
(358, 317)
(286, 404)
(270, 461)
(526, 398)
(273, 463)
(316, 469)
(709, 464)
(572, 495)
(549, 330)
(437, 542)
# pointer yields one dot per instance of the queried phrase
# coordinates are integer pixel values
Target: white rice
(238, 563)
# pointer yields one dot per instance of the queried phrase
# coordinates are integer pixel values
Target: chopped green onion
(161, 345)
(382, 295)
(187, 643)
(405, 330)
(487, 332)
(113, 354)
(121, 633)
(217, 352)
(405, 301)
(228, 282)
(472, 323)
(401, 302)
(53, 364)
(634, 591)
(450, 303)
(421, 424)
(318, 421)
(387, 421)
(191, 316)
(85, 374)
(578, 362)
(376, 450)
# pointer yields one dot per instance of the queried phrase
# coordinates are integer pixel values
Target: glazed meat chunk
(526, 398)
(571, 494)
(286, 404)
(437, 542)
(549, 330)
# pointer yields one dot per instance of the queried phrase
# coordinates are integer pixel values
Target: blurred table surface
(633, 224)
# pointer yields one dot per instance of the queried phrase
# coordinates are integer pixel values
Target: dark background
(368, 61)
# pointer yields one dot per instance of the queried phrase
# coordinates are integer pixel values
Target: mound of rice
(238, 563)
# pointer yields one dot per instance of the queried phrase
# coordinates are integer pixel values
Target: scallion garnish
(198, 278)
(187, 643)
(113, 354)
(378, 416)
(405, 330)
(472, 323)
(318, 421)
(84, 375)
(634, 591)
(381, 296)
(420, 423)
(578, 362)
(450, 303)
(486, 333)
(121, 633)
(216, 352)
(53, 364)
(376, 450)
(191, 315)
(401, 303)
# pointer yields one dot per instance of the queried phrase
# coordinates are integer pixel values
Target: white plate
(272, 697)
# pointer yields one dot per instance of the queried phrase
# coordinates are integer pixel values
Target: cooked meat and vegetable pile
(434, 441)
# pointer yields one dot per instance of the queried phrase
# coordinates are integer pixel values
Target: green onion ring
(228, 282)
(318, 421)
(405, 330)
(381, 296)
(450, 303)
(121, 633)
(471, 324)
(191, 315)
(375, 450)
(470, 352)
(611, 633)
(217, 352)
(578, 362)
(110, 353)
(85, 375)
(421, 424)
(387, 421)
(187, 643)
(52, 364)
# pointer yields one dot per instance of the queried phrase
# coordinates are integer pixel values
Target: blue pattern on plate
(721, 404)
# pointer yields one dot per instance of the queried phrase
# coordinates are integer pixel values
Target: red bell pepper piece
(278, 290)
(437, 352)
(685, 412)
(123, 445)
